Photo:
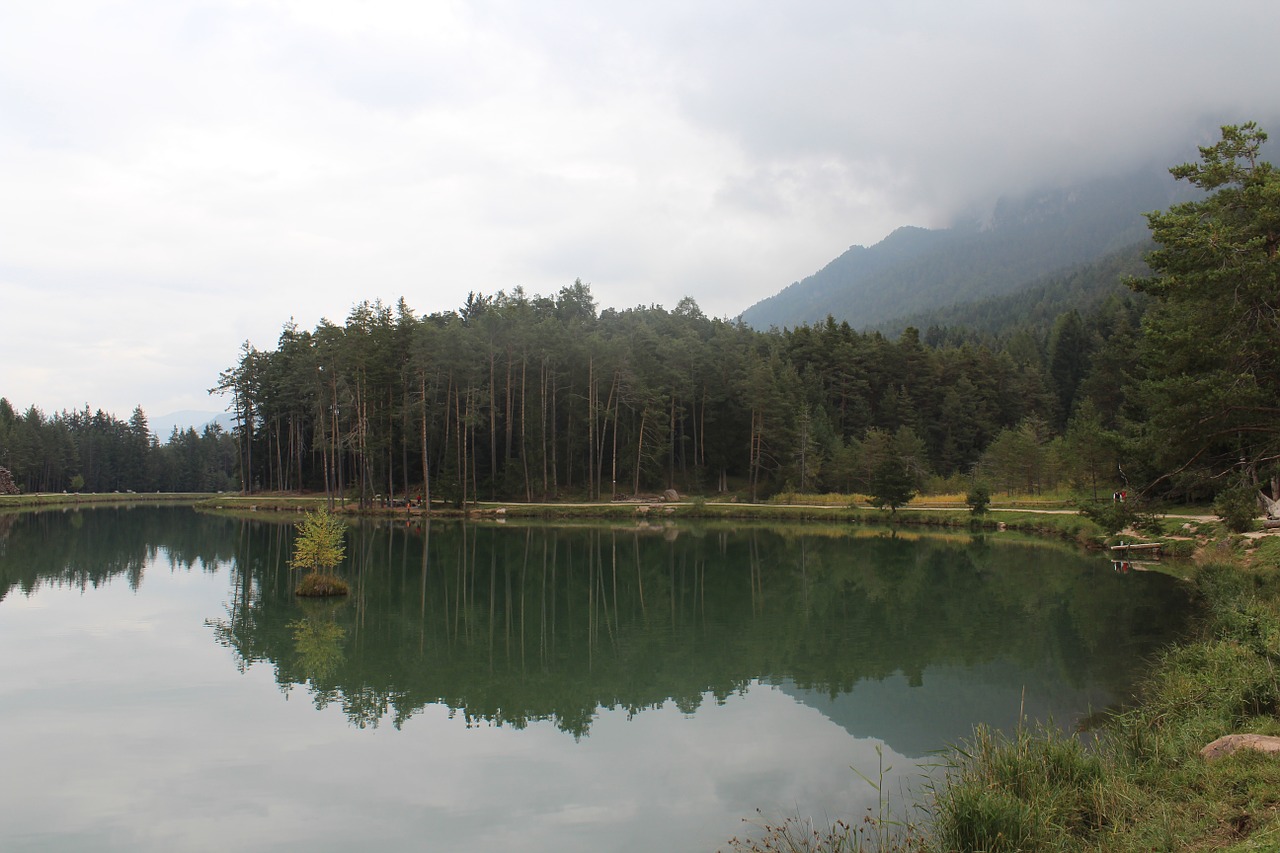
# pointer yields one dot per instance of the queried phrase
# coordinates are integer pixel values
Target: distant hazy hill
(163, 426)
(917, 270)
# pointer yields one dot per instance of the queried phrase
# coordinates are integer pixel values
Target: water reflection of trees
(86, 548)
(507, 625)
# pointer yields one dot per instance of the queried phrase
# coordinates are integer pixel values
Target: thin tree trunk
(592, 488)
(640, 448)
(524, 438)
(426, 457)
(613, 479)
(493, 429)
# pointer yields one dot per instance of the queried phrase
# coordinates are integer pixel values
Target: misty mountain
(1036, 305)
(1021, 243)
(162, 427)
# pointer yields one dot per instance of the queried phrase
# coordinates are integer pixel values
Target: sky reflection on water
(126, 726)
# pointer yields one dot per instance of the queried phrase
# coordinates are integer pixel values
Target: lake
(521, 686)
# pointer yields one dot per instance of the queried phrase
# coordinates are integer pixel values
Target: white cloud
(181, 176)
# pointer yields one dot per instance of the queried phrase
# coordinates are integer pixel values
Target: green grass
(1022, 792)
(61, 499)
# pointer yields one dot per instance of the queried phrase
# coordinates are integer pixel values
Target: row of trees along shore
(519, 397)
(1170, 386)
(94, 451)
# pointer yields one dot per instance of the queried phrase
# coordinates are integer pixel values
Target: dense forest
(97, 452)
(525, 397)
(544, 397)
(514, 396)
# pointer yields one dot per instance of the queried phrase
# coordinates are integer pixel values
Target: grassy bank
(1042, 518)
(72, 499)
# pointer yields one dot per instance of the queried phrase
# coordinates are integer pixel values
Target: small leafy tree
(979, 498)
(1237, 506)
(319, 546)
(891, 484)
(1134, 512)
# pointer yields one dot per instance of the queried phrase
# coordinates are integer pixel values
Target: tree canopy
(1211, 344)
(319, 544)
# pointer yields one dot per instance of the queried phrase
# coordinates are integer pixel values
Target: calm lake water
(500, 687)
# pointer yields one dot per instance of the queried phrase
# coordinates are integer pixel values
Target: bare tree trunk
(555, 468)
(461, 443)
(493, 430)
(592, 490)
(426, 458)
(598, 463)
(543, 400)
(613, 479)
(671, 441)
(524, 442)
(640, 448)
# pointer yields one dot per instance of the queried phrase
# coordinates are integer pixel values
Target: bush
(1237, 506)
(1112, 516)
(978, 499)
(1115, 515)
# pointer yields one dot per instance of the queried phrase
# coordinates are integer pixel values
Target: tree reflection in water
(507, 624)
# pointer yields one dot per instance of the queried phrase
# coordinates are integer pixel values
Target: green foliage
(1068, 361)
(319, 542)
(1267, 556)
(519, 396)
(1019, 792)
(92, 451)
(1115, 515)
(318, 643)
(1111, 516)
(1018, 458)
(1031, 311)
(1211, 346)
(1091, 451)
(891, 484)
(1237, 506)
(978, 498)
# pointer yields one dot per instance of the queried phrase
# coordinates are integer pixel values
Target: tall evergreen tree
(1211, 343)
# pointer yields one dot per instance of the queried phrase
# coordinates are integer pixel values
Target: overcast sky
(179, 177)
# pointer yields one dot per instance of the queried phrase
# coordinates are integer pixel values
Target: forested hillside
(1086, 288)
(1019, 245)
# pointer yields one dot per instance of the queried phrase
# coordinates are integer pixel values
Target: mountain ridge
(1019, 243)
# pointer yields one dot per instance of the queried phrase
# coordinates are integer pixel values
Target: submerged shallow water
(531, 687)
